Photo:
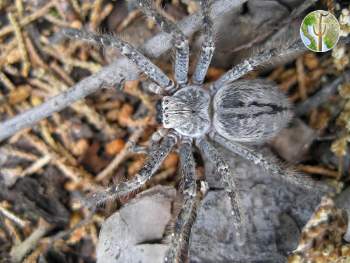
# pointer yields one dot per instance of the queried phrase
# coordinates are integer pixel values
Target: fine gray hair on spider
(229, 112)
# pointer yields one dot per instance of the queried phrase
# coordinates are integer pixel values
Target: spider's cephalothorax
(227, 112)
(187, 111)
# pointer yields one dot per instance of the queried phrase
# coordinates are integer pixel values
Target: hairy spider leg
(185, 219)
(270, 164)
(182, 54)
(207, 48)
(143, 63)
(152, 164)
(153, 142)
(251, 63)
(230, 184)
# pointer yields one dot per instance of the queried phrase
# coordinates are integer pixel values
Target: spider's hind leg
(179, 39)
(271, 165)
(207, 48)
(185, 219)
(230, 185)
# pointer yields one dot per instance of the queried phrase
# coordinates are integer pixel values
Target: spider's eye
(159, 112)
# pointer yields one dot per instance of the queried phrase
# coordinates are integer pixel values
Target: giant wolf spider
(194, 114)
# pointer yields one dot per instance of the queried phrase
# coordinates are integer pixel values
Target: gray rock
(253, 23)
(275, 213)
(124, 235)
(293, 143)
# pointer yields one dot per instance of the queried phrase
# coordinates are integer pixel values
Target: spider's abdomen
(250, 111)
(187, 111)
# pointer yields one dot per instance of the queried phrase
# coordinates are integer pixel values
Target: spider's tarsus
(208, 46)
(179, 39)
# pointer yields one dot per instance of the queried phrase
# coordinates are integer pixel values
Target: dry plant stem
(12, 151)
(301, 78)
(36, 166)
(318, 170)
(107, 172)
(131, 16)
(6, 81)
(20, 222)
(28, 19)
(111, 75)
(9, 226)
(18, 252)
(95, 14)
(77, 175)
(19, 7)
(322, 95)
(21, 44)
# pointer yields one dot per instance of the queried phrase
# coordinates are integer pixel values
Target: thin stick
(18, 252)
(21, 44)
(7, 213)
(111, 75)
(28, 19)
(121, 156)
(322, 95)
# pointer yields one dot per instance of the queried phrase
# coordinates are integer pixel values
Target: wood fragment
(19, 251)
(21, 44)
(6, 81)
(28, 19)
(322, 95)
(118, 159)
(301, 78)
(95, 14)
(127, 20)
(36, 166)
(11, 216)
(318, 170)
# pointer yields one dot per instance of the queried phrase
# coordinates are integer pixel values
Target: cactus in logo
(319, 31)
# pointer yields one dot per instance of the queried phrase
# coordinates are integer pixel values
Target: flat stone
(125, 234)
(274, 214)
(293, 142)
(275, 211)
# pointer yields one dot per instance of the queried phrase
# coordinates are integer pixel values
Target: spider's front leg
(251, 63)
(143, 63)
(179, 39)
(207, 48)
(180, 237)
(271, 165)
(230, 184)
(154, 161)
